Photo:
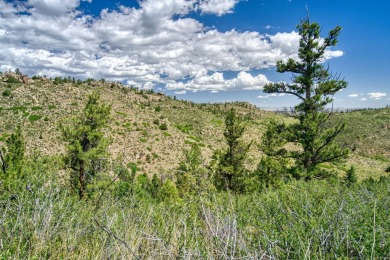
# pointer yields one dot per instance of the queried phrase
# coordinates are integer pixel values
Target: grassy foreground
(299, 220)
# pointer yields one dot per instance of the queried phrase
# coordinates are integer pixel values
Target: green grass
(167, 134)
(185, 128)
(196, 139)
(33, 118)
(18, 108)
(121, 113)
(3, 137)
(316, 220)
(35, 108)
(217, 122)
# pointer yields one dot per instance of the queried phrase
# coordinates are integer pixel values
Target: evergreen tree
(231, 170)
(86, 143)
(191, 177)
(155, 187)
(12, 154)
(272, 167)
(314, 85)
(350, 177)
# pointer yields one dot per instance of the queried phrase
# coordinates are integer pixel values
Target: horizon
(202, 51)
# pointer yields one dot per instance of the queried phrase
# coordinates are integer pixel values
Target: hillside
(135, 217)
(138, 119)
(135, 126)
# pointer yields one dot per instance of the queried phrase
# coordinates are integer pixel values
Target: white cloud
(363, 99)
(156, 43)
(216, 82)
(353, 95)
(376, 95)
(218, 7)
(53, 7)
(180, 92)
(333, 54)
(268, 96)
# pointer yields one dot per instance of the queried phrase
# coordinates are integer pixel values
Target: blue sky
(199, 50)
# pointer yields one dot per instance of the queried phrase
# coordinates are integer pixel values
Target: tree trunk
(82, 180)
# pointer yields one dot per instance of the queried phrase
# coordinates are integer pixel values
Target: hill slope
(137, 126)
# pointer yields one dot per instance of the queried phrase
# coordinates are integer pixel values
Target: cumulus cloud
(376, 95)
(156, 43)
(218, 7)
(216, 82)
(353, 95)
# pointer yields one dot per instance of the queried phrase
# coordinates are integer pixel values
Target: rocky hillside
(151, 130)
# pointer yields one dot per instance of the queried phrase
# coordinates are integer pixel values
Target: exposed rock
(25, 79)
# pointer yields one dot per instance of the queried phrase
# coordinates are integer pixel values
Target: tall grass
(299, 220)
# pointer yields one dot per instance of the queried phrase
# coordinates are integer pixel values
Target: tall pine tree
(315, 86)
(231, 170)
(86, 143)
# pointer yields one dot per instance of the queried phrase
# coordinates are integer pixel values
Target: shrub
(18, 108)
(12, 80)
(133, 167)
(169, 193)
(7, 93)
(33, 118)
(142, 185)
(163, 126)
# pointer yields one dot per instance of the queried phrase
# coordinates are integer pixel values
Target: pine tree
(186, 172)
(12, 154)
(86, 143)
(350, 177)
(272, 167)
(314, 85)
(155, 186)
(231, 170)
